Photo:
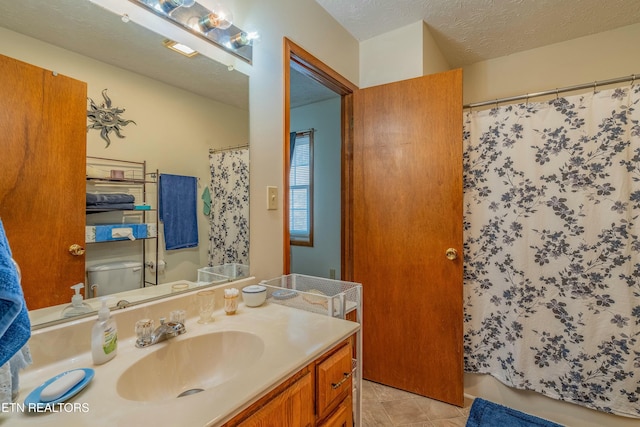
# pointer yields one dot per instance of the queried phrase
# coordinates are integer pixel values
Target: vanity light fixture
(215, 26)
(180, 48)
(168, 6)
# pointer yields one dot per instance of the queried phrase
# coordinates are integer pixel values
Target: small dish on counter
(254, 295)
(283, 294)
(34, 400)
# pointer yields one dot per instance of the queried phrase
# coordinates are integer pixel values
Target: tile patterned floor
(384, 406)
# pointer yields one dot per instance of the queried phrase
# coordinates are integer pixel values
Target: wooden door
(42, 178)
(407, 211)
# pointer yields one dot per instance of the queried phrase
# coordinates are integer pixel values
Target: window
(301, 190)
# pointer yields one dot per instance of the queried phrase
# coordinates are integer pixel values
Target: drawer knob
(339, 383)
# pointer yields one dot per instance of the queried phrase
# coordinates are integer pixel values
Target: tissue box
(90, 234)
(152, 229)
(105, 233)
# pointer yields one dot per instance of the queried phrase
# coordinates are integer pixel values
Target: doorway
(313, 89)
(401, 222)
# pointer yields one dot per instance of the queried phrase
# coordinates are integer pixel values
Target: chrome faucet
(163, 332)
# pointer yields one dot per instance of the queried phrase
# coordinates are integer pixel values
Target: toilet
(113, 277)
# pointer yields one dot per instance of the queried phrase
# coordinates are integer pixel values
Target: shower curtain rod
(234, 147)
(556, 91)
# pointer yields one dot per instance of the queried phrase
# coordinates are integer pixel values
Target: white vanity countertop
(292, 339)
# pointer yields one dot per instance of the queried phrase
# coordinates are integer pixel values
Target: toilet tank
(113, 277)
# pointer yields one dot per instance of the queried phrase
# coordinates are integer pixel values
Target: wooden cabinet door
(407, 212)
(42, 178)
(291, 408)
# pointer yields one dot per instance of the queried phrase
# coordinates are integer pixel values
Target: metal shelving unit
(112, 175)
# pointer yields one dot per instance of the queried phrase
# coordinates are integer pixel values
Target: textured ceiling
(87, 29)
(469, 31)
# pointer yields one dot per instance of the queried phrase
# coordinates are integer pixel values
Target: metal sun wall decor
(106, 118)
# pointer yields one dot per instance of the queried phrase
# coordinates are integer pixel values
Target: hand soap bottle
(104, 336)
(77, 307)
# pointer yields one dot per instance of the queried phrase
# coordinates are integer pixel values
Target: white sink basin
(189, 365)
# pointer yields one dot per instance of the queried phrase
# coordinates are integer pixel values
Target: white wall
(586, 59)
(393, 56)
(401, 54)
(433, 61)
(311, 27)
(178, 146)
(324, 117)
(601, 56)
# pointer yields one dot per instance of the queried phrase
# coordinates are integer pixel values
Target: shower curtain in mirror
(229, 235)
(552, 254)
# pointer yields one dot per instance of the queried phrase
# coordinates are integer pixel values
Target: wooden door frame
(304, 62)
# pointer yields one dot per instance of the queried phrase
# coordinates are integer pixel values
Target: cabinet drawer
(342, 416)
(333, 380)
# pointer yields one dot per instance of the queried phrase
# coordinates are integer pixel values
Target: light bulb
(168, 6)
(243, 39)
(239, 40)
(225, 16)
(214, 20)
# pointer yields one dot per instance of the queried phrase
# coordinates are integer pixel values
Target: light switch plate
(272, 198)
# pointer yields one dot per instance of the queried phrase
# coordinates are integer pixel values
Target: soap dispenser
(104, 336)
(77, 307)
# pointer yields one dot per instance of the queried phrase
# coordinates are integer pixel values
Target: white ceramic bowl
(254, 295)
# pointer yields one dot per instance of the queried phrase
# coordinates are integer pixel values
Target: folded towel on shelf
(109, 198)
(488, 414)
(111, 207)
(178, 196)
(15, 327)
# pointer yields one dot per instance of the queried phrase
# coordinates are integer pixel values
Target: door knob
(451, 254)
(76, 250)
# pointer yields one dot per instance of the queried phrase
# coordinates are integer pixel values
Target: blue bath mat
(488, 414)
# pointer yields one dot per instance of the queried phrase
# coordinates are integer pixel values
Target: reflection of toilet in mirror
(109, 278)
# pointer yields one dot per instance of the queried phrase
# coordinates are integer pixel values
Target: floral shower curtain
(229, 235)
(552, 253)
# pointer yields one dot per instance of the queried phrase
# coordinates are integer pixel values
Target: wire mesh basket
(329, 297)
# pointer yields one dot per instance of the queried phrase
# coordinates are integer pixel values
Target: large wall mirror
(185, 111)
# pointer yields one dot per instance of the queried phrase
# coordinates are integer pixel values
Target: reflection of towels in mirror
(109, 198)
(15, 328)
(178, 195)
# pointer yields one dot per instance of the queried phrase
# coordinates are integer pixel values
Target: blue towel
(178, 195)
(488, 414)
(15, 328)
